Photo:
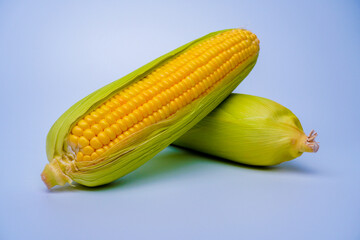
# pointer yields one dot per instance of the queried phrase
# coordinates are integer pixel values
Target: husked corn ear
(116, 129)
(250, 130)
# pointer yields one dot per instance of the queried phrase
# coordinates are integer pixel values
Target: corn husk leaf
(250, 130)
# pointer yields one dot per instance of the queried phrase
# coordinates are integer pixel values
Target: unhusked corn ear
(250, 130)
(116, 129)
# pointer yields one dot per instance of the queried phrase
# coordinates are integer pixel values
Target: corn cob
(116, 129)
(250, 130)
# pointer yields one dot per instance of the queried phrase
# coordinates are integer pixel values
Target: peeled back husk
(137, 148)
(250, 130)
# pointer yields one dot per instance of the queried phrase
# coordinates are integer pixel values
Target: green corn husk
(139, 147)
(250, 130)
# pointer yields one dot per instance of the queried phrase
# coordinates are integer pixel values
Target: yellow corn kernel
(73, 140)
(83, 124)
(116, 129)
(103, 123)
(89, 119)
(95, 116)
(96, 128)
(122, 124)
(88, 133)
(79, 156)
(87, 150)
(83, 142)
(104, 139)
(110, 119)
(100, 151)
(77, 131)
(96, 143)
(94, 155)
(111, 134)
(111, 144)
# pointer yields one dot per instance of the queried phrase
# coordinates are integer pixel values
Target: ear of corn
(116, 129)
(250, 130)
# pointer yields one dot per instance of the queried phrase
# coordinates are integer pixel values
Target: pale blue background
(53, 53)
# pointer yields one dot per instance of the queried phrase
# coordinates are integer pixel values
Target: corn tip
(311, 141)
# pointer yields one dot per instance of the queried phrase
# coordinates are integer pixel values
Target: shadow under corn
(166, 164)
(290, 166)
(175, 162)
